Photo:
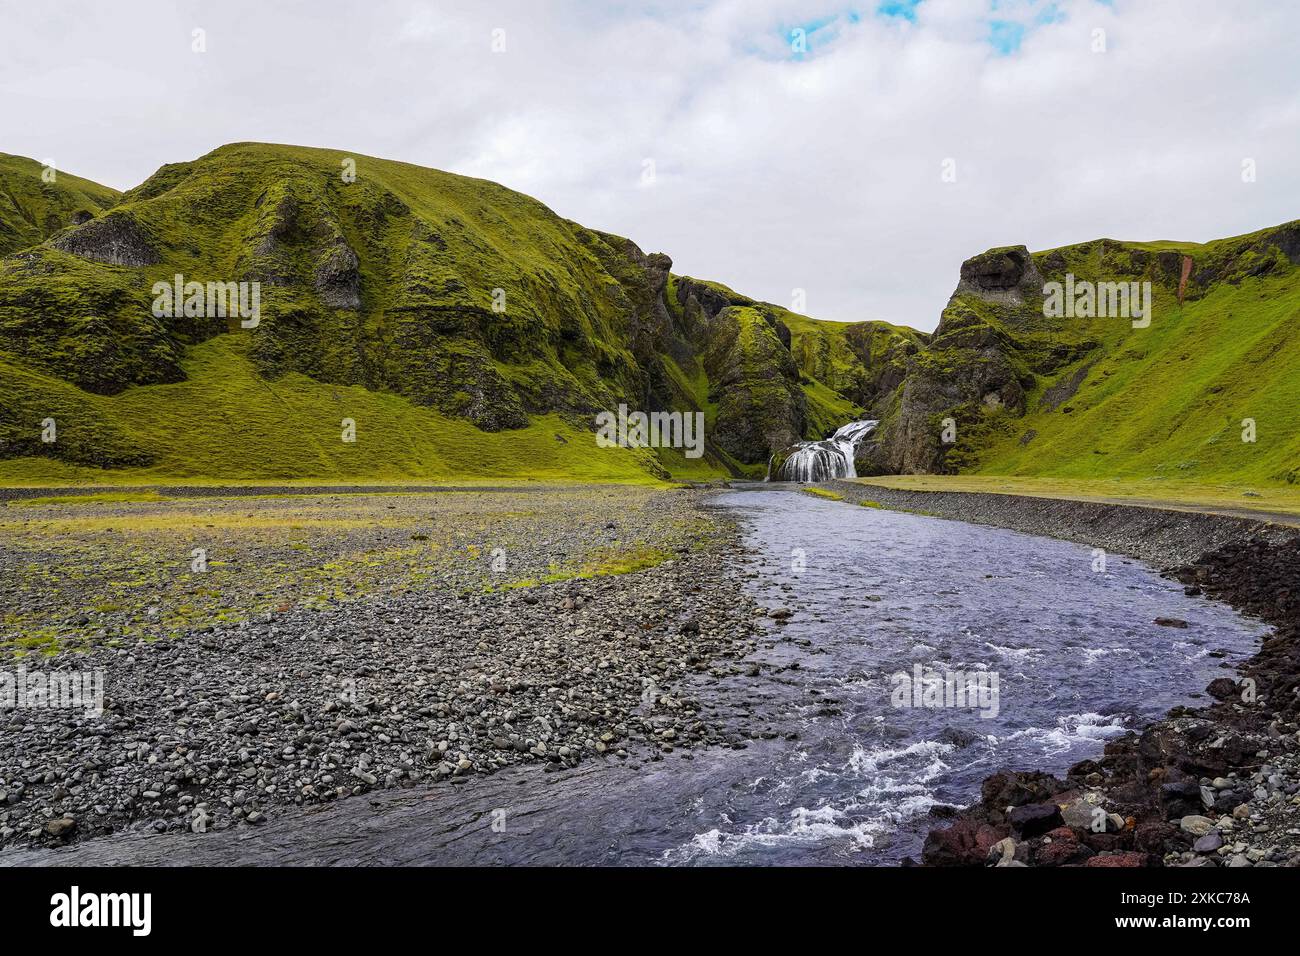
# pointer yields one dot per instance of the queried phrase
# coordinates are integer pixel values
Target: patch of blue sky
(1009, 22)
(902, 9)
(1051, 13)
(1013, 20)
(1005, 36)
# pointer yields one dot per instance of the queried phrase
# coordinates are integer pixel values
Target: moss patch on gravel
(111, 571)
(824, 493)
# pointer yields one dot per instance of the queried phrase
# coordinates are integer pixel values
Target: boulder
(1196, 825)
(1035, 819)
(116, 239)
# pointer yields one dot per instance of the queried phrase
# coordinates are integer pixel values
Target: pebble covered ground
(336, 644)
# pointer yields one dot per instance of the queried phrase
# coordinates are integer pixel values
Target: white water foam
(1071, 731)
(869, 762)
(888, 800)
(1092, 655)
(1015, 653)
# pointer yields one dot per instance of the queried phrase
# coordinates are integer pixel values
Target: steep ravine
(450, 301)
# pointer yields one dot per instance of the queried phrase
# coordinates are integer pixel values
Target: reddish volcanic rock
(953, 846)
(1120, 859)
(965, 843)
(988, 835)
(1061, 853)
(1153, 835)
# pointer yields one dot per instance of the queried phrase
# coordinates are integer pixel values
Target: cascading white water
(830, 458)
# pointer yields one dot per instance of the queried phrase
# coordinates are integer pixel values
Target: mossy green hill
(469, 331)
(37, 202)
(1205, 387)
(465, 325)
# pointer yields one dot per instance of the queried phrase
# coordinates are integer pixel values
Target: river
(839, 773)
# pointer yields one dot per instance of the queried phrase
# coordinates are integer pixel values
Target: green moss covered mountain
(465, 328)
(1171, 395)
(470, 332)
(37, 202)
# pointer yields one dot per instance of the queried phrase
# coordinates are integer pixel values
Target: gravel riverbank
(456, 635)
(1164, 538)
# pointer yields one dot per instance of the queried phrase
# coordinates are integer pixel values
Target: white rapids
(830, 458)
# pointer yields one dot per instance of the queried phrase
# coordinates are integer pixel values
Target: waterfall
(830, 458)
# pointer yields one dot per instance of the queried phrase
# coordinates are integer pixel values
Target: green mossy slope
(225, 420)
(1170, 401)
(471, 309)
(1096, 397)
(33, 209)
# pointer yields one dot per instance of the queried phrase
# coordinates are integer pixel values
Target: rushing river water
(840, 774)
(1078, 656)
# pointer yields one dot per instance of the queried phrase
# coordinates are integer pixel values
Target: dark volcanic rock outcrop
(760, 405)
(116, 240)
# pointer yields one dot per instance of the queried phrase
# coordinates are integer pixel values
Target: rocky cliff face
(971, 364)
(1010, 370)
(744, 350)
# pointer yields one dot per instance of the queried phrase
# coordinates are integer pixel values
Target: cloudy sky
(858, 151)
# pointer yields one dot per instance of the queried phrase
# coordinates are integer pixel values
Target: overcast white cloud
(775, 169)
